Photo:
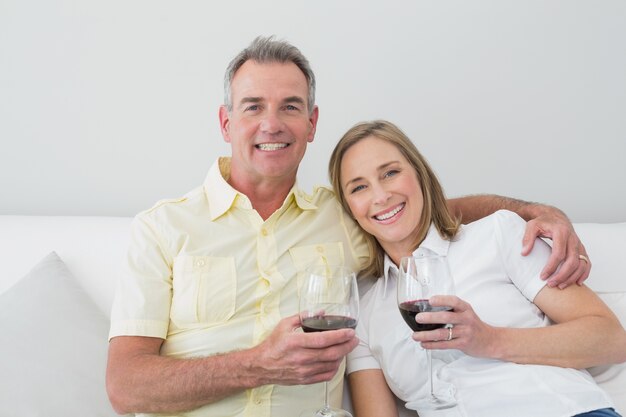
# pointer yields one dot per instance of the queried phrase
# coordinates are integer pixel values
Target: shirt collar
(222, 197)
(433, 243)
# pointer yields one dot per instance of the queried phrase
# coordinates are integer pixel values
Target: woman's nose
(381, 195)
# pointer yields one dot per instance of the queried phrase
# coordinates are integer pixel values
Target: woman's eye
(391, 173)
(357, 188)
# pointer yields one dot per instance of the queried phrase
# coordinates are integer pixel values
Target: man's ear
(225, 123)
(313, 121)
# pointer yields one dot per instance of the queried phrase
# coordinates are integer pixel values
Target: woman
(502, 358)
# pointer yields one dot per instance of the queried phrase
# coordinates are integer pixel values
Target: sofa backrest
(93, 248)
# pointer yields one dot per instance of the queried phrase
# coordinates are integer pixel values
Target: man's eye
(253, 107)
(291, 107)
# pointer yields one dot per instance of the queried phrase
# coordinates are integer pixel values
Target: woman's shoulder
(498, 219)
(502, 225)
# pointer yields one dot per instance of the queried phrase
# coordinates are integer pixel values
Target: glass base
(326, 412)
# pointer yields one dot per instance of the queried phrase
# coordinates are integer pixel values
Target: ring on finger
(583, 258)
(449, 333)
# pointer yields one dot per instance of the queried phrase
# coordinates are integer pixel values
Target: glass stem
(430, 372)
(326, 407)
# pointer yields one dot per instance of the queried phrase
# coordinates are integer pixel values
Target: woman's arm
(586, 332)
(543, 221)
(371, 396)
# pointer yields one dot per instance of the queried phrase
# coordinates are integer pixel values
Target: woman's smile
(389, 214)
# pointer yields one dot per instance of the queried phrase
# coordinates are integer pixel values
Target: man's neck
(266, 197)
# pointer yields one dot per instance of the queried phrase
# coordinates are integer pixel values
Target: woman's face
(383, 193)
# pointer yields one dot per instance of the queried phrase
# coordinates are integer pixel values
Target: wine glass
(420, 278)
(329, 300)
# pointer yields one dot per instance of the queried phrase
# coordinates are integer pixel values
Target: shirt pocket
(204, 290)
(318, 254)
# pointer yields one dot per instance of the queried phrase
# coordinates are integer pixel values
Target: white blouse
(491, 274)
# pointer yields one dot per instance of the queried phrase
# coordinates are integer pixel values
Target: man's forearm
(475, 207)
(151, 383)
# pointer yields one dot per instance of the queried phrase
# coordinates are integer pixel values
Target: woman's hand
(469, 333)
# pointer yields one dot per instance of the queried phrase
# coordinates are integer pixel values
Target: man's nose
(271, 123)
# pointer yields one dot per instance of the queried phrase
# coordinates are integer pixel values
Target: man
(206, 324)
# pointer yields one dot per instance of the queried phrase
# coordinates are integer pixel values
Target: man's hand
(290, 357)
(569, 262)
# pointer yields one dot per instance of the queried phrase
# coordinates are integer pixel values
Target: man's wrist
(532, 211)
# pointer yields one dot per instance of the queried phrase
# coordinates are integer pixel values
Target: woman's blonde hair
(435, 206)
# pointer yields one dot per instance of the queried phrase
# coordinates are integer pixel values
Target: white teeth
(271, 146)
(390, 214)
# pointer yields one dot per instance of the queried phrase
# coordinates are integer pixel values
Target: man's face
(270, 124)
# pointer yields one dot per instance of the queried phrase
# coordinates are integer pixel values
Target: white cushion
(605, 245)
(613, 378)
(54, 347)
(93, 248)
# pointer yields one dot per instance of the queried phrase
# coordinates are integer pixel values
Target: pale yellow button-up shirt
(209, 276)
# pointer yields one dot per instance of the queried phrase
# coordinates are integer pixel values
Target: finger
(327, 339)
(446, 300)
(313, 371)
(334, 353)
(572, 278)
(581, 271)
(437, 339)
(583, 277)
(440, 317)
(569, 263)
(431, 336)
(554, 266)
(586, 265)
(531, 233)
(290, 323)
(323, 375)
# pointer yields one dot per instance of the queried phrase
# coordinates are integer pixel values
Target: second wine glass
(329, 300)
(420, 278)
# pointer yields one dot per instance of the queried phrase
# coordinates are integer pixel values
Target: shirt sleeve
(142, 301)
(524, 271)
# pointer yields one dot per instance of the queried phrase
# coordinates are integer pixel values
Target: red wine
(323, 323)
(409, 310)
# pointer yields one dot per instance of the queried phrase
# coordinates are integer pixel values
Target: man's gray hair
(265, 50)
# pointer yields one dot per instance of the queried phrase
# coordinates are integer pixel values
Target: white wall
(107, 106)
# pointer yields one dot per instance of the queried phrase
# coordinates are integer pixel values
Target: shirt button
(257, 401)
(200, 262)
(320, 249)
(264, 232)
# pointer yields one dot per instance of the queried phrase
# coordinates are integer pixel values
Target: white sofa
(54, 320)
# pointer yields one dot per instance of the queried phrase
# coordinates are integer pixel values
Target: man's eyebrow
(256, 100)
(294, 99)
(247, 100)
